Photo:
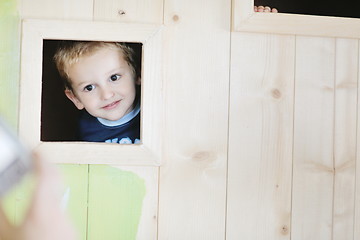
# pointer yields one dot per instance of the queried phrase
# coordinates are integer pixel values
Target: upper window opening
(343, 8)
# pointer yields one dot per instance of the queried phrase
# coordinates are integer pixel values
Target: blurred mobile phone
(15, 159)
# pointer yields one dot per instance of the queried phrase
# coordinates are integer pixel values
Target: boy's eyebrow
(115, 70)
(82, 83)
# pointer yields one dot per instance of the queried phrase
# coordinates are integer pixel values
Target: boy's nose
(106, 93)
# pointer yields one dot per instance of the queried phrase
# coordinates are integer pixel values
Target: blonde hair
(70, 52)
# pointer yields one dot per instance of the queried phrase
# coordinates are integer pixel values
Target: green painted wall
(9, 76)
(9, 60)
(104, 202)
(115, 203)
(75, 199)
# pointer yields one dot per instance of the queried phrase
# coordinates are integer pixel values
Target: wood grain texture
(196, 68)
(313, 172)
(55, 9)
(144, 11)
(346, 75)
(246, 20)
(260, 136)
(289, 128)
(357, 164)
(242, 10)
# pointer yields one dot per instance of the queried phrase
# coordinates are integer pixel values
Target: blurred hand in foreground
(45, 219)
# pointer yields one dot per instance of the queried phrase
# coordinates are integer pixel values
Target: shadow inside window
(59, 116)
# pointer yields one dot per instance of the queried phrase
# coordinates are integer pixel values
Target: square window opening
(59, 116)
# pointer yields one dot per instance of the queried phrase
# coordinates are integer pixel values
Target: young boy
(103, 80)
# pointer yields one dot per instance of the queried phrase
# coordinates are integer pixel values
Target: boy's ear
(70, 95)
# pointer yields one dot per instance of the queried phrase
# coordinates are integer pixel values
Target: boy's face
(103, 83)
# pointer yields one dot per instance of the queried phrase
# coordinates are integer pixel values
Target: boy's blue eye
(89, 88)
(114, 77)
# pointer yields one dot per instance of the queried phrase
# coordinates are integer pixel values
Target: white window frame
(149, 152)
(246, 20)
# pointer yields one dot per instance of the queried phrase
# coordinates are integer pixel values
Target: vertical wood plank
(345, 138)
(196, 65)
(357, 183)
(55, 9)
(147, 228)
(122, 202)
(242, 10)
(143, 11)
(260, 136)
(313, 172)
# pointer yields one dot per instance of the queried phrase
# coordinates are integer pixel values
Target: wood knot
(284, 230)
(204, 156)
(121, 12)
(175, 18)
(275, 93)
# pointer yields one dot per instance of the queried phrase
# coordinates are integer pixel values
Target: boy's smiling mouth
(111, 105)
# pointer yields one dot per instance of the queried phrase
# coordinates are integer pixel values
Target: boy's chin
(109, 119)
(112, 118)
(111, 115)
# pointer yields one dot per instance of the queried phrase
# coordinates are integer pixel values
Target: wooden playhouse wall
(260, 133)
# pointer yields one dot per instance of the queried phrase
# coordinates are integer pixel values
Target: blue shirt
(124, 131)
